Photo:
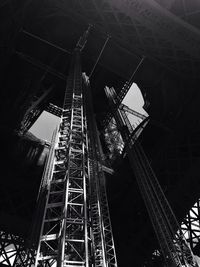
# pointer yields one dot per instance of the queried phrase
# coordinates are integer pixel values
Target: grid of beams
(126, 22)
(76, 229)
(191, 225)
(13, 251)
(103, 243)
(64, 239)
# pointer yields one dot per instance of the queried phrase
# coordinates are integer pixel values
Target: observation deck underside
(166, 35)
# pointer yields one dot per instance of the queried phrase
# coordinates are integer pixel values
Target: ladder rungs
(75, 240)
(49, 237)
(79, 263)
(75, 190)
(75, 204)
(48, 257)
(53, 219)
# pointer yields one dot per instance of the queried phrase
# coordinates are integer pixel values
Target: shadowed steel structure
(174, 247)
(154, 43)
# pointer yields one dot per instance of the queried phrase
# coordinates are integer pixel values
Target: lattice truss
(142, 28)
(14, 252)
(66, 214)
(191, 225)
(134, 120)
(76, 228)
(104, 249)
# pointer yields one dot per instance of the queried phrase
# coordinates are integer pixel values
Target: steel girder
(191, 225)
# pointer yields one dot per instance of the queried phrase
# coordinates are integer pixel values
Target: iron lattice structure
(190, 225)
(174, 247)
(76, 229)
(144, 27)
(14, 251)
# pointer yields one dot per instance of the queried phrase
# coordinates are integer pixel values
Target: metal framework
(173, 244)
(103, 244)
(154, 32)
(113, 140)
(14, 252)
(53, 109)
(191, 225)
(35, 109)
(112, 134)
(76, 229)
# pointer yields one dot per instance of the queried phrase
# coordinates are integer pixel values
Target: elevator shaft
(76, 229)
